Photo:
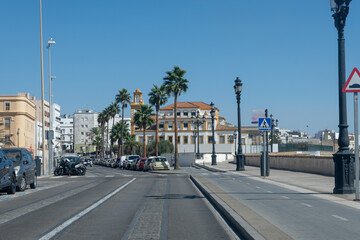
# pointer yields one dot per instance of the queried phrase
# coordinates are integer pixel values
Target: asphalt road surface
(111, 204)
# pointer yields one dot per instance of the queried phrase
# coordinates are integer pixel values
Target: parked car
(24, 166)
(159, 163)
(121, 162)
(7, 174)
(133, 164)
(147, 165)
(140, 164)
(129, 159)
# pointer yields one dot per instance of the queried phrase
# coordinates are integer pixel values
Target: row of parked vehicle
(135, 162)
(17, 170)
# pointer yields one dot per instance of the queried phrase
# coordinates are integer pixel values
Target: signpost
(353, 85)
(265, 126)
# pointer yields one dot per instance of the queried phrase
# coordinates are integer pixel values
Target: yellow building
(17, 118)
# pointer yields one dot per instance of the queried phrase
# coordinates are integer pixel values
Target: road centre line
(285, 197)
(341, 218)
(84, 212)
(269, 191)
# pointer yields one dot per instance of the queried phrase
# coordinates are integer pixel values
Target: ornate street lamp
(212, 112)
(194, 138)
(235, 135)
(198, 121)
(240, 158)
(343, 158)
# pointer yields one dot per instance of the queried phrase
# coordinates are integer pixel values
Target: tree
(143, 119)
(97, 142)
(101, 120)
(113, 110)
(175, 84)
(165, 146)
(107, 115)
(131, 143)
(157, 98)
(117, 131)
(124, 98)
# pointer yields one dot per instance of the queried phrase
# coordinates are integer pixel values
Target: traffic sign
(353, 83)
(264, 124)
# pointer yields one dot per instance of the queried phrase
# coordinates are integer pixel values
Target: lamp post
(212, 112)
(235, 135)
(194, 138)
(51, 134)
(343, 158)
(240, 158)
(198, 121)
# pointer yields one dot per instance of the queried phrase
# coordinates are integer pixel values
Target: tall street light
(212, 113)
(343, 158)
(194, 138)
(51, 132)
(235, 135)
(42, 95)
(198, 121)
(240, 158)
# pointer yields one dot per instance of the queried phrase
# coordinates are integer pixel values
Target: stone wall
(301, 163)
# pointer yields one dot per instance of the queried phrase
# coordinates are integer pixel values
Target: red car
(140, 164)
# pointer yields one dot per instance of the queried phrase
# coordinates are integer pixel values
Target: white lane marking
(269, 191)
(216, 174)
(248, 183)
(205, 174)
(285, 197)
(258, 187)
(110, 176)
(341, 218)
(84, 212)
(306, 205)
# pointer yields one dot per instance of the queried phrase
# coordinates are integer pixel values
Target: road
(297, 215)
(111, 204)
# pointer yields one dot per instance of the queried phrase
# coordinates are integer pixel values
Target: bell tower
(135, 105)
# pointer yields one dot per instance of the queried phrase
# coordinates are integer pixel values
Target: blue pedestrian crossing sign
(264, 124)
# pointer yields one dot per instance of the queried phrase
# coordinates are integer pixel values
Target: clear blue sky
(285, 53)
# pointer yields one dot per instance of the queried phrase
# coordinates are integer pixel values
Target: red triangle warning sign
(353, 83)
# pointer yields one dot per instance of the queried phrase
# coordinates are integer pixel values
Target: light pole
(212, 113)
(198, 121)
(343, 158)
(51, 132)
(235, 135)
(194, 138)
(240, 158)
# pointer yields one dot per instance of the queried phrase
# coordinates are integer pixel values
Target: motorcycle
(88, 162)
(66, 167)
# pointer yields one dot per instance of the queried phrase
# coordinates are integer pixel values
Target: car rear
(161, 163)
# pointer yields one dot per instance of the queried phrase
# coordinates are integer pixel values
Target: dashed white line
(341, 218)
(258, 187)
(285, 197)
(248, 183)
(269, 191)
(306, 205)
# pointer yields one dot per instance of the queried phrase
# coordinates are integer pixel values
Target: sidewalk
(312, 182)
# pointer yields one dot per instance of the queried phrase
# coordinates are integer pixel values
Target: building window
(178, 114)
(7, 123)
(150, 139)
(201, 139)
(178, 126)
(82, 126)
(7, 138)
(186, 114)
(193, 113)
(210, 139)
(63, 138)
(178, 140)
(161, 138)
(82, 140)
(186, 125)
(170, 138)
(193, 139)
(62, 130)
(141, 140)
(71, 138)
(82, 133)
(161, 125)
(231, 139)
(170, 125)
(222, 139)
(7, 106)
(242, 141)
(185, 140)
(70, 130)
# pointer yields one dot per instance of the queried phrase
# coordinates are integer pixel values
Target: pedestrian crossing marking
(264, 124)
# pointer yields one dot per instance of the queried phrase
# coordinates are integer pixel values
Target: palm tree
(116, 132)
(101, 121)
(143, 119)
(131, 142)
(123, 97)
(107, 119)
(175, 84)
(113, 110)
(97, 142)
(157, 98)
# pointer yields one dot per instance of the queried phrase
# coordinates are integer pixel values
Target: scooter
(67, 168)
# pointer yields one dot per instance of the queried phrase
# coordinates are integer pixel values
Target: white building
(187, 129)
(67, 134)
